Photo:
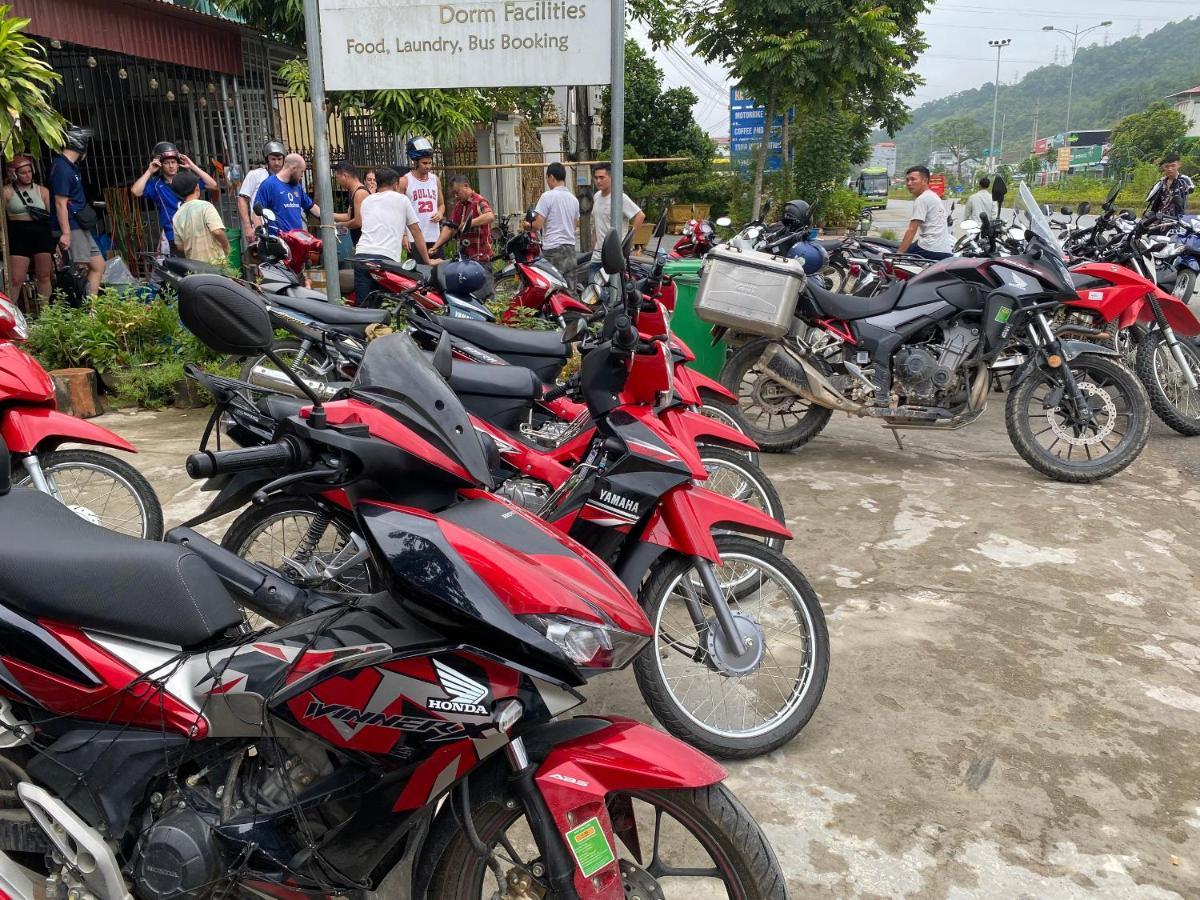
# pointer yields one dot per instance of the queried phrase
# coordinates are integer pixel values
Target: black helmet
(418, 148)
(274, 148)
(797, 214)
(164, 148)
(461, 277)
(76, 138)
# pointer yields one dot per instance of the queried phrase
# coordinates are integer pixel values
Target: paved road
(1013, 708)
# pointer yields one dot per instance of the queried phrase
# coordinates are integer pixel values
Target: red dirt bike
(98, 487)
(164, 750)
(1155, 331)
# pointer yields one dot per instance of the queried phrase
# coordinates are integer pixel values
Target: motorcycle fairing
(22, 378)
(702, 429)
(38, 428)
(1125, 299)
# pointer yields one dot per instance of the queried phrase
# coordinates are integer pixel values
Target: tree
(813, 53)
(827, 144)
(1145, 136)
(1030, 167)
(962, 137)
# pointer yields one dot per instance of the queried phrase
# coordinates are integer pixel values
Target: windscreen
(1053, 256)
(399, 378)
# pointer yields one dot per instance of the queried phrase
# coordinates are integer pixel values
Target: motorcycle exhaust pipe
(274, 380)
(784, 365)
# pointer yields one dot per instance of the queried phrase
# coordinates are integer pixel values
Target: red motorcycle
(1145, 324)
(699, 236)
(98, 487)
(540, 286)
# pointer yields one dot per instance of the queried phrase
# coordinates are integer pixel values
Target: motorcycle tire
(1170, 397)
(727, 413)
(1102, 377)
(674, 633)
(128, 479)
(770, 436)
(450, 868)
(1185, 285)
(750, 484)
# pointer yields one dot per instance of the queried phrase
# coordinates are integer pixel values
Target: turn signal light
(1055, 360)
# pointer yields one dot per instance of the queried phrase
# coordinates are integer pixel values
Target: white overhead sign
(382, 44)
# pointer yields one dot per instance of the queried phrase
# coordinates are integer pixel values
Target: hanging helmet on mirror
(418, 148)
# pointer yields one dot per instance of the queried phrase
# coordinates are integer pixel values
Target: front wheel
(734, 707)
(1174, 401)
(102, 489)
(776, 418)
(1079, 445)
(731, 475)
(1185, 285)
(698, 842)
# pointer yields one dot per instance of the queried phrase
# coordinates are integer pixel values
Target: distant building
(1188, 103)
(883, 156)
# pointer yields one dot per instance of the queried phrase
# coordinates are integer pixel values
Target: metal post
(616, 127)
(1071, 85)
(999, 45)
(321, 165)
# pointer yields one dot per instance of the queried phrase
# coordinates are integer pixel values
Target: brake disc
(639, 884)
(1107, 407)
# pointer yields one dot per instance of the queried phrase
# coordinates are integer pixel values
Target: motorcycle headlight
(589, 645)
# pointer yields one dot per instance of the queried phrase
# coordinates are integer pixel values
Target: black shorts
(29, 238)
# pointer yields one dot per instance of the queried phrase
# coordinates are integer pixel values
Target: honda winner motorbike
(96, 486)
(918, 356)
(155, 748)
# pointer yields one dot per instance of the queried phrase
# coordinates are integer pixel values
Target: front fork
(560, 868)
(1052, 346)
(1172, 342)
(33, 468)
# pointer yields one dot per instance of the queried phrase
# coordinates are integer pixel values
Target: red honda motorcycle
(1155, 331)
(540, 286)
(98, 487)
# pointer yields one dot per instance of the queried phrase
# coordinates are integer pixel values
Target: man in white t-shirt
(273, 155)
(388, 218)
(928, 235)
(556, 216)
(631, 214)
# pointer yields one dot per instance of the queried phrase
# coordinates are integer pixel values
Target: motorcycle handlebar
(208, 463)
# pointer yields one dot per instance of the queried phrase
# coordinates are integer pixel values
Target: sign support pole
(616, 126)
(321, 164)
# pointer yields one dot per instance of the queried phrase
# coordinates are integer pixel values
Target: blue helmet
(462, 277)
(813, 254)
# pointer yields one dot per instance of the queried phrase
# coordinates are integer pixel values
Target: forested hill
(1110, 82)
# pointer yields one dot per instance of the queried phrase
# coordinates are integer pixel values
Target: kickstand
(896, 435)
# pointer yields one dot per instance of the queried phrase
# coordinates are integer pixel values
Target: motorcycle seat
(501, 340)
(281, 406)
(55, 565)
(517, 382)
(851, 306)
(184, 267)
(332, 314)
(830, 244)
(583, 258)
(882, 242)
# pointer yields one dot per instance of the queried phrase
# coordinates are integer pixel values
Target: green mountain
(1110, 83)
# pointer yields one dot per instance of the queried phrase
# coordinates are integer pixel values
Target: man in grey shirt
(631, 214)
(556, 216)
(928, 234)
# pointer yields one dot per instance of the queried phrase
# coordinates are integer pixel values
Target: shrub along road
(1014, 701)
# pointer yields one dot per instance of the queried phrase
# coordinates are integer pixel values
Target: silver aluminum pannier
(749, 291)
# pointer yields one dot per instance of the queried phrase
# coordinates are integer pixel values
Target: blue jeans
(364, 284)
(918, 250)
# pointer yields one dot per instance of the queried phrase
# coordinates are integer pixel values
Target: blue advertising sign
(746, 128)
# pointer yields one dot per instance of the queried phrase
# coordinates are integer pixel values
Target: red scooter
(1155, 331)
(541, 286)
(698, 238)
(98, 487)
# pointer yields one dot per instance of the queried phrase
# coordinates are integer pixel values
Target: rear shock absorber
(316, 530)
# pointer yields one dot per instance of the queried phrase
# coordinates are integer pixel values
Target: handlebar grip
(208, 463)
(625, 334)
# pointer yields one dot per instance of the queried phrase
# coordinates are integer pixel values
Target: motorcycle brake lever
(263, 493)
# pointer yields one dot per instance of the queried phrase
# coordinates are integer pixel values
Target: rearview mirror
(1066, 210)
(225, 316)
(660, 227)
(258, 209)
(723, 222)
(612, 256)
(409, 265)
(1083, 208)
(999, 189)
(969, 226)
(266, 215)
(575, 328)
(1112, 194)
(443, 356)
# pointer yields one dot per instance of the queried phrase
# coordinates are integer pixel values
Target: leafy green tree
(962, 137)
(812, 53)
(26, 83)
(1030, 167)
(1145, 136)
(827, 144)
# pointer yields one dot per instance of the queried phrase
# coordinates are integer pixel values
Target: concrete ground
(1013, 708)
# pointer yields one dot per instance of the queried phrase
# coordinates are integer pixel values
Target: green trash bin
(686, 326)
(235, 248)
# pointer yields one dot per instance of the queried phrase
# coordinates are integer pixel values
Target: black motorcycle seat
(500, 339)
(331, 313)
(830, 244)
(177, 265)
(851, 306)
(281, 406)
(494, 381)
(55, 565)
(386, 265)
(882, 242)
(583, 258)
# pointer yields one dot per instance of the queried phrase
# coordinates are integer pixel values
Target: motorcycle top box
(749, 291)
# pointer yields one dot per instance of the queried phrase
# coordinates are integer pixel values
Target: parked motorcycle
(96, 486)
(159, 749)
(699, 236)
(918, 355)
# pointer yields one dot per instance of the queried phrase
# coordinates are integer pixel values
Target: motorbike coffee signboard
(373, 44)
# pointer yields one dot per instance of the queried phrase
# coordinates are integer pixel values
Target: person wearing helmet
(155, 185)
(421, 187)
(273, 154)
(284, 194)
(73, 215)
(27, 205)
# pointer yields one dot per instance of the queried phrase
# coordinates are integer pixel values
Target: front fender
(30, 428)
(704, 384)
(1074, 349)
(687, 515)
(704, 430)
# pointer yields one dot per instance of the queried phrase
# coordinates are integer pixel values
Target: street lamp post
(1074, 36)
(999, 45)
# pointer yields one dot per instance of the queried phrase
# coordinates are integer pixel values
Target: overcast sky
(958, 56)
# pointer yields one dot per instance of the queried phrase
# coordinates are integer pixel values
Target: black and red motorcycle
(154, 747)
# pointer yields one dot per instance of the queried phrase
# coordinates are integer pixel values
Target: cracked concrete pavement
(1013, 707)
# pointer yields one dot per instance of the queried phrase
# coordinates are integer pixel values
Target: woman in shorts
(27, 205)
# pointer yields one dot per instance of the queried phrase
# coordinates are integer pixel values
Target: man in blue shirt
(155, 186)
(72, 216)
(284, 194)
